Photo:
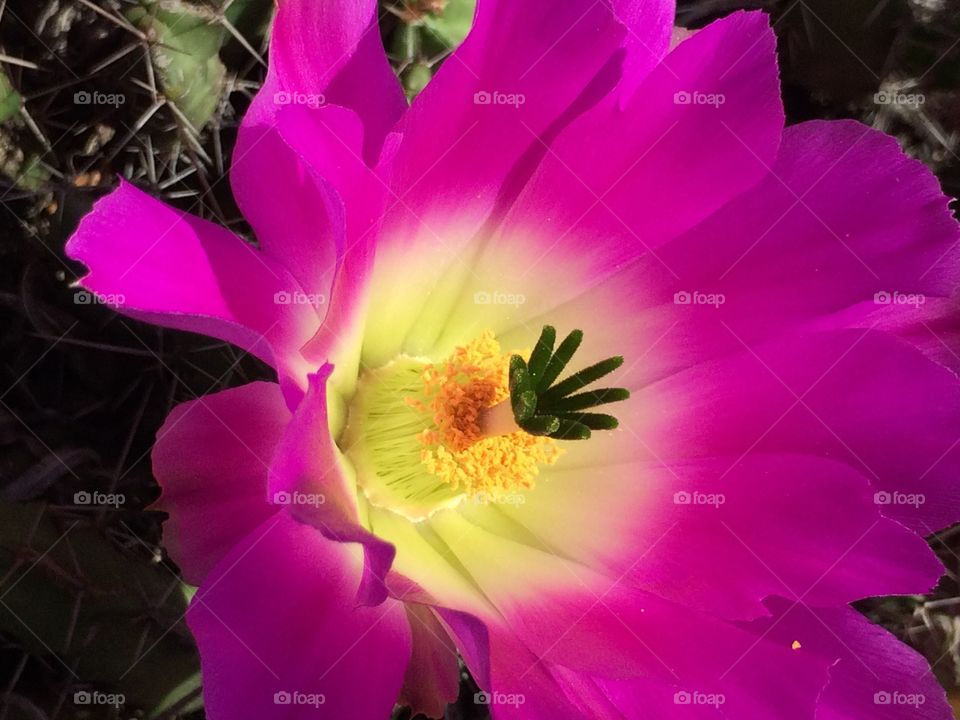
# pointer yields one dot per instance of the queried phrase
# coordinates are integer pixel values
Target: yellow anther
(455, 391)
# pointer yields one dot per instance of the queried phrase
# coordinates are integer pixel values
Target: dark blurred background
(91, 608)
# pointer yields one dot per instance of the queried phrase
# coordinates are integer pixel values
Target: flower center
(415, 433)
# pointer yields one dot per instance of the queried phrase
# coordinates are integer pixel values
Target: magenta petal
(280, 635)
(325, 59)
(180, 271)
(808, 247)
(307, 460)
(933, 327)
(621, 181)
(296, 214)
(897, 424)
(211, 459)
(931, 323)
(565, 614)
(308, 475)
(791, 525)
(329, 53)
(527, 687)
(327, 142)
(803, 249)
(518, 673)
(649, 32)
(514, 682)
(518, 71)
(308, 193)
(433, 676)
(675, 646)
(644, 699)
(873, 675)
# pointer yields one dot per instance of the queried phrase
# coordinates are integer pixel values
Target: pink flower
(781, 299)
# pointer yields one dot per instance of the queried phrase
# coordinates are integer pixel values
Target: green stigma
(543, 406)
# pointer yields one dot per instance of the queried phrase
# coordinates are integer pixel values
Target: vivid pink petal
(179, 271)
(649, 30)
(516, 685)
(929, 322)
(327, 142)
(676, 647)
(296, 213)
(621, 181)
(645, 699)
(564, 614)
(516, 73)
(873, 673)
(322, 55)
(433, 676)
(313, 201)
(898, 424)
(808, 247)
(803, 249)
(826, 248)
(278, 615)
(522, 686)
(308, 474)
(328, 53)
(519, 685)
(587, 229)
(211, 459)
(654, 522)
(469, 141)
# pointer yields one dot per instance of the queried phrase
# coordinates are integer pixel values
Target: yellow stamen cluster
(475, 377)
